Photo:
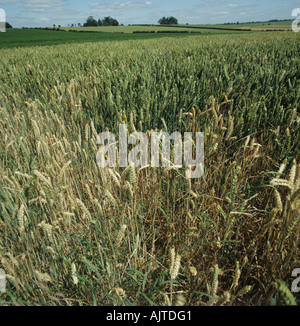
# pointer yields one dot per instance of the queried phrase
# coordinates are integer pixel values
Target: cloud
(232, 5)
(223, 13)
(29, 12)
(4, 2)
(43, 5)
(117, 7)
(57, 7)
(131, 5)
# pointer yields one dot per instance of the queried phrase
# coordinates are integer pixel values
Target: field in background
(38, 37)
(142, 28)
(74, 234)
(14, 38)
(260, 26)
(123, 29)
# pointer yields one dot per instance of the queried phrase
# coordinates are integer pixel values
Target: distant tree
(106, 21)
(162, 21)
(109, 21)
(173, 20)
(115, 22)
(168, 21)
(72, 25)
(79, 24)
(59, 26)
(7, 25)
(54, 25)
(90, 22)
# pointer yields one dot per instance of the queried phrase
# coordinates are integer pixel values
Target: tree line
(106, 21)
(168, 21)
(109, 21)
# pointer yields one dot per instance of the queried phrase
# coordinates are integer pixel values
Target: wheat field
(74, 234)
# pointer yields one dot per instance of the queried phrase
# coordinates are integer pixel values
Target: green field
(34, 37)
(124, 29)
(259, 26)
(75, 234)
(37, 37)
(139, 28)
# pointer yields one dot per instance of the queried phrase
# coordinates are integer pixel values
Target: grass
(74, 234)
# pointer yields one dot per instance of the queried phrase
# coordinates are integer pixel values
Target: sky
(45, 13)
